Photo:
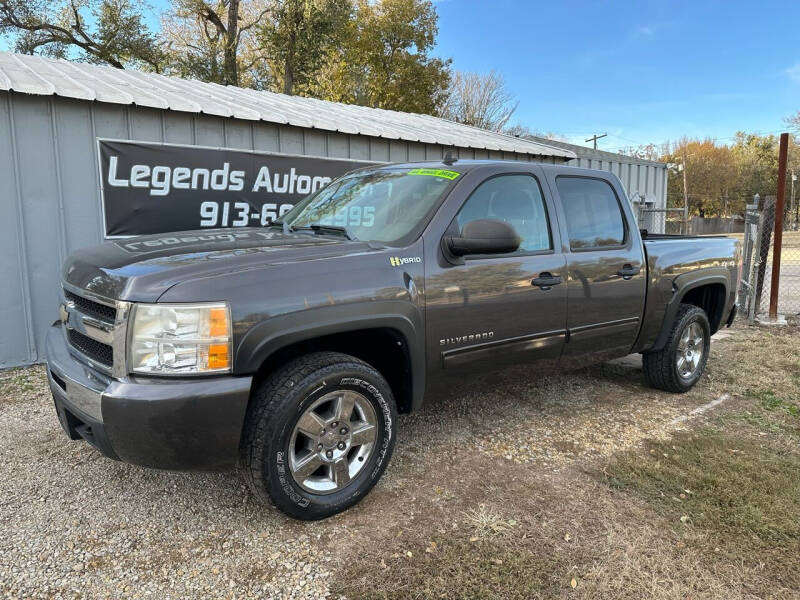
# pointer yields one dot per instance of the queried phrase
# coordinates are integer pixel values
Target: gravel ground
(74, 524)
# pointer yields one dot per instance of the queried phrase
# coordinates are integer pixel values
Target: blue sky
(641, 71)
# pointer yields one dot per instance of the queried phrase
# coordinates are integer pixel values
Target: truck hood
(142, 268)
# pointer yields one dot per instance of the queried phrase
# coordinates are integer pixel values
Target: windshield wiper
(320, 228)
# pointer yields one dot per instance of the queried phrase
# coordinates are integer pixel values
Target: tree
(480, 100)
(384, 59)
(213, 41)
(794, 121)
(109, 32)
(299, 37)
(645, 151)
(756, 158)
(710, 176)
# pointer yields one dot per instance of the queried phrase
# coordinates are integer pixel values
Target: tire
(279, 449)
(661, 367)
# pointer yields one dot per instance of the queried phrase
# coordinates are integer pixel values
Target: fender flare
(683, 284)
(273, 334)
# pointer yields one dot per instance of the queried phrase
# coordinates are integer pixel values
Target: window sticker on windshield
(435, 173)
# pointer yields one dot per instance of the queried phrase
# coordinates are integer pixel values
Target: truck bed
(669, 257)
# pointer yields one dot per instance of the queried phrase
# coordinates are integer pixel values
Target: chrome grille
(93, 349)
(92, 308)
(95, 328)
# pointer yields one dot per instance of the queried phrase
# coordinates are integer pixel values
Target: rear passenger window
(515, 199)
(594, 217)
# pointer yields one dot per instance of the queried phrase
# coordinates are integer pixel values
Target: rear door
(483, 312)
(606, 272)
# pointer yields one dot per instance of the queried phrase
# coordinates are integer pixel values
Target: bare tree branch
(480, 100)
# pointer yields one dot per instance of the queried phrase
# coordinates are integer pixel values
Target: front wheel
(319, 434)
(678, 366)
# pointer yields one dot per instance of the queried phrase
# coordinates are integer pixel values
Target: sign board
(155, 188)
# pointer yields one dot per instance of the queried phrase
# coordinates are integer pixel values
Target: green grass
(771, 402)
(16, 383)
(771, 415)
(732, 485)
(736, 485)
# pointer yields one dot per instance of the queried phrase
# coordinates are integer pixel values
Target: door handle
(627, 271)
(546, 281)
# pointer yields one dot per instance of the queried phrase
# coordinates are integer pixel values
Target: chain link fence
(660, 220)
(758, 252)
(758, 259)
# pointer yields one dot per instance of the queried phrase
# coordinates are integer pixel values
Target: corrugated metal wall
(51, 195)
(649, 181)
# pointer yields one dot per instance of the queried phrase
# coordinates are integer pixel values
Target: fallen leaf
(574, 583)
(473, 539)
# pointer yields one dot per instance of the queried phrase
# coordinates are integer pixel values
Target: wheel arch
(707, 289)
(390, 342)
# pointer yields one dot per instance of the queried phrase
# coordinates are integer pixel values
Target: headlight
(174, 339)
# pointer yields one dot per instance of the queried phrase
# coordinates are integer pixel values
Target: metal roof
(28, 74)
(585, 152)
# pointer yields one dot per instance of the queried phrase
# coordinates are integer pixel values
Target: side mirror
(484, 236)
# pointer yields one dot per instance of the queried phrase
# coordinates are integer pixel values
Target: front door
(606, 270)
(486, 312)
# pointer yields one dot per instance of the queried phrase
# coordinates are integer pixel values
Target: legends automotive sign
(155, 188)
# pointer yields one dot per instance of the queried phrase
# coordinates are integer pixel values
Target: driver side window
(517, 200)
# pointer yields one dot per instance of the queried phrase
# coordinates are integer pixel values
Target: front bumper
(189, 423)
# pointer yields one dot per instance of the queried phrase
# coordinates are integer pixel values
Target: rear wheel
(319, 434)
(678, 366)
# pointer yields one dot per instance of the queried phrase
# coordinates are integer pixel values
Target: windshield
(381, 205)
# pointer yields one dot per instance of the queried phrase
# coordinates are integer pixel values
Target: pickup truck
(291, 349)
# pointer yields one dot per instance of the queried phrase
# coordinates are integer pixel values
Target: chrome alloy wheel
(332, 441)
(690, 351)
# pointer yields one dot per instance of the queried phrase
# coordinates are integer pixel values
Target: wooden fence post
(776, 247)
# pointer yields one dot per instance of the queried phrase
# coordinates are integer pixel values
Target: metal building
(53, 111)
(645, 181)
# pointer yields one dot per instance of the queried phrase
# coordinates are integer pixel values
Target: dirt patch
(496, 494)
(556, 518)
(493, 531)
(21, 385)
(736, 481)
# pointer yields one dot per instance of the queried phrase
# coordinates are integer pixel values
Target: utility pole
(685, 197)
(596, 137)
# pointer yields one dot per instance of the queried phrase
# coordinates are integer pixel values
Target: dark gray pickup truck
(291, 349)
